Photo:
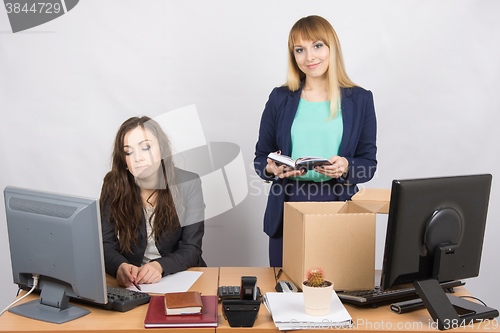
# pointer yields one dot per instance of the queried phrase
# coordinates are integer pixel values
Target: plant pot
(317, 300)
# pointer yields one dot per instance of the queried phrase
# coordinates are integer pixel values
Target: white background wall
(66, 86)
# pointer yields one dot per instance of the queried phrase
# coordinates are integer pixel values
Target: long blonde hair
(315, 28)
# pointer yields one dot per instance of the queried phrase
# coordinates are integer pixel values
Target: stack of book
(188, 309)
(287, 310)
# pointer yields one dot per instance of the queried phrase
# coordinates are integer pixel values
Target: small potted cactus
(317, 293)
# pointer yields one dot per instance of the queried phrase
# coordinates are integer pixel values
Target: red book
(156, 317)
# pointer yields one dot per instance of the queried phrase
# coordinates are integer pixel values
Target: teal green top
(313, 135)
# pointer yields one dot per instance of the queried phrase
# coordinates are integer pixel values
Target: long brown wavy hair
(122, 195)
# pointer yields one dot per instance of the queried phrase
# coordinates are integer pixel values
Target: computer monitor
(58, 237)
(435, 234)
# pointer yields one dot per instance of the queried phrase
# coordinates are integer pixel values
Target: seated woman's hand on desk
(338, 167)
(125, 274)
(147, 274)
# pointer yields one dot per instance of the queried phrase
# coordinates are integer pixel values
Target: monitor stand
(52, 306)
(450, 311)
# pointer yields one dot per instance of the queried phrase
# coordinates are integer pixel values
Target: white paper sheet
(287, 310)
(173, 283)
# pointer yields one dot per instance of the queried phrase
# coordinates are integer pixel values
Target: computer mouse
(286, 287)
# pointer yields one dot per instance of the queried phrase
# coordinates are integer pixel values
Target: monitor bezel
(457, 192)
(64, 272)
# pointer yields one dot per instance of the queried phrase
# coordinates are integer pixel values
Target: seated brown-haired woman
(152, 213)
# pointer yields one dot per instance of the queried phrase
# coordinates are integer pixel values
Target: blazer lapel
(347, 119)
(291, 107)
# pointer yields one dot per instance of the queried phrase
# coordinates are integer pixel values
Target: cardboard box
(336, 236)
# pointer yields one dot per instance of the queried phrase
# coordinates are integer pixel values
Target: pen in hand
(135, 284)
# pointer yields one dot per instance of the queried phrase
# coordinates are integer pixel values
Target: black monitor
(57, 237)
(435, 234)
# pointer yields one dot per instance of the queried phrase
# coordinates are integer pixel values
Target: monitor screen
(59, 238)
(435, 229)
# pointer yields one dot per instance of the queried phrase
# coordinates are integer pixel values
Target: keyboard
(124, 300)
(364, 297)
(232, 292)
(119, 299)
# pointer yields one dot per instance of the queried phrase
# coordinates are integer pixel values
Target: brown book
(183, 303)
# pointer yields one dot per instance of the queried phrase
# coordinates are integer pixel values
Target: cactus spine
(315, 277)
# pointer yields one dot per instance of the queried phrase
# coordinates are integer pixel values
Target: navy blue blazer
(358, 145)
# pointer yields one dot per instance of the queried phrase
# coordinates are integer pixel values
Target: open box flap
(376, 200)
(317, 207)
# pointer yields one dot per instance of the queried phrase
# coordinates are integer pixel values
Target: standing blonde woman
(319, 112)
